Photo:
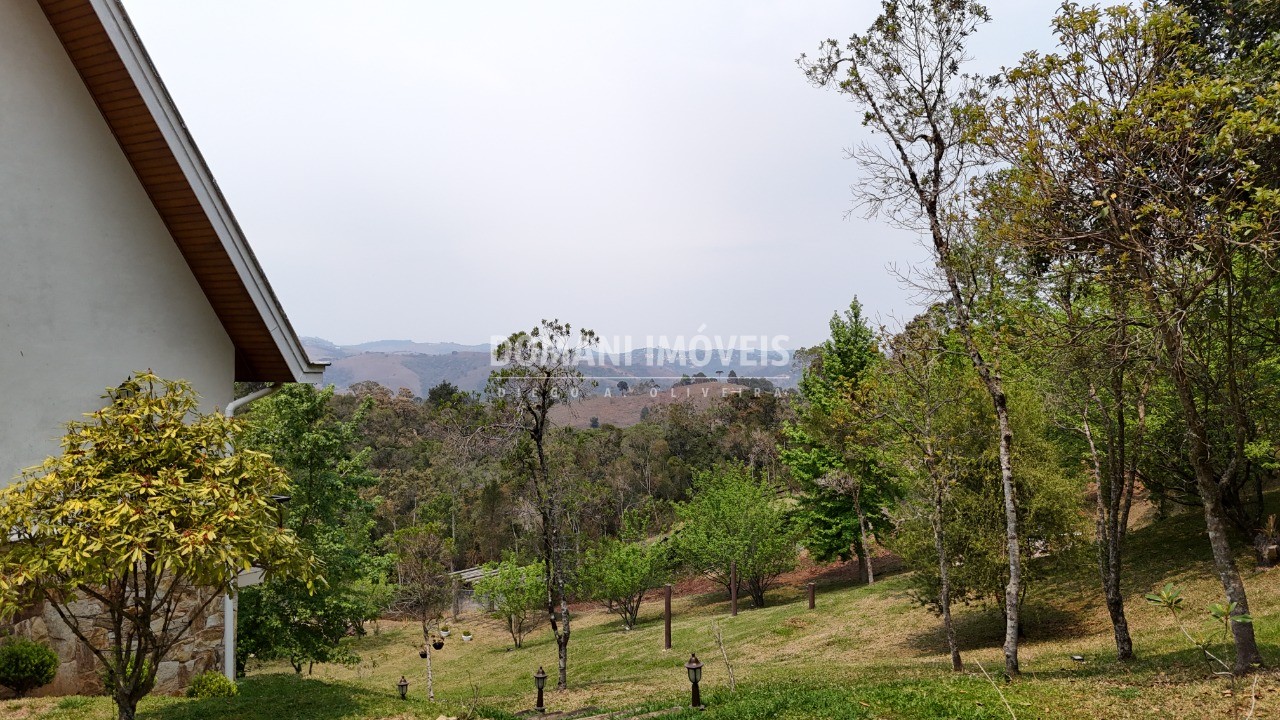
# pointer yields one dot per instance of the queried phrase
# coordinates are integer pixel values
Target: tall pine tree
(828, 449)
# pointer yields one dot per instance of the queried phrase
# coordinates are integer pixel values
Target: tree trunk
(1119, 624)
(562, 646)
(549, 505)
(994, 385)
(944, 577)
(1207, 484)
(456, 605)
(1013, 590)
(1109, 566)
(1247, 655)
(1114, 496)
(631, 614)
(126, 707)
(862, 530)
(431, 684)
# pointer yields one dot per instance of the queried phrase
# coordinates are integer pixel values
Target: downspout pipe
(238, 403)
(230, 601)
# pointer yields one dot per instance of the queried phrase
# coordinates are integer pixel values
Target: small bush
(26, 665)
(74, 702)
(212, 684)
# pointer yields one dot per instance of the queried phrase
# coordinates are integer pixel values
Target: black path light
(540, 682)
(403, 687)
(694, 666)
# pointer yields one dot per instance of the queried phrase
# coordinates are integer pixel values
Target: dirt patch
(25, 708)
(797, 623)
(840, 573)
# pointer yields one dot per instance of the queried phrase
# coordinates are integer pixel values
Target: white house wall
(92, 286)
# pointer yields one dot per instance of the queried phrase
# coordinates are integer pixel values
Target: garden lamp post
(694, 667)
(540, 682)
(403, 687)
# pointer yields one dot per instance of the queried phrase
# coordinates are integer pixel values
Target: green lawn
(865, 652)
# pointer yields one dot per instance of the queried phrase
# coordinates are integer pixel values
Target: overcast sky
(456, 170)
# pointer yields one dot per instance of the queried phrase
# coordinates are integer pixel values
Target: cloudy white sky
(437, 171)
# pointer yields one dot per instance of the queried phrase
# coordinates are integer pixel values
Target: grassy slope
(865, 652)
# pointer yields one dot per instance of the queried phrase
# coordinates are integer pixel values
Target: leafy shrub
(515, 592)
(212, 684)
(618, 571)
(733, 520)
(26, 665)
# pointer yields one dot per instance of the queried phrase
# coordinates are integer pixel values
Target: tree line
(1102, 225)
(556, 514)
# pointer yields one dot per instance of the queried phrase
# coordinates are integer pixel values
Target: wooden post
(457, 599)
(666, 616)
(733, 589)
(811, 587)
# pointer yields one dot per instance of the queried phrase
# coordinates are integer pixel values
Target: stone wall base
(80, 672)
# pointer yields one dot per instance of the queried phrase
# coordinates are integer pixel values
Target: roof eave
(124, 37)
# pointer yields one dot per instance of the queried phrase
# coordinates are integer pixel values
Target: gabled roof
(106, 51)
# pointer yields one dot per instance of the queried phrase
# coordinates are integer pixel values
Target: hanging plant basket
(438, 644)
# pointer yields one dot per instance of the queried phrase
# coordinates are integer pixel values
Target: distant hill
(322, 349)
(419, 372)
(420, 366)
(615, 408)
(409, 346)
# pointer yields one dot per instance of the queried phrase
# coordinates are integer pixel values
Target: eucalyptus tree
(1133, 154)
(540, 371)
(905, 73)
(462, 464)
